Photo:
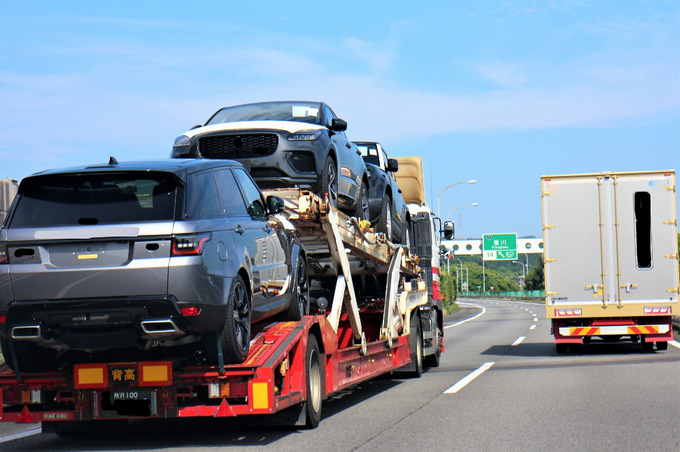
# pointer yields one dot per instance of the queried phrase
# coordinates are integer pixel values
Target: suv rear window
(95, 198)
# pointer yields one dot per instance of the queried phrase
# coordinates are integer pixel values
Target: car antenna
(113, 161)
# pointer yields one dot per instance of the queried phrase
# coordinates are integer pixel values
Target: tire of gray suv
(235, 335)
(329, 181)
(30, 357)
(298, 306)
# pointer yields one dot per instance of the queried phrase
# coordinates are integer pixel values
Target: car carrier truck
(349, 337)
(611, 257)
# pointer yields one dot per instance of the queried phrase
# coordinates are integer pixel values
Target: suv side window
(256, 205)
(202, 199)
(230, 195)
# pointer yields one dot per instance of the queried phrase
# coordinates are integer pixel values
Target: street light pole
(524, 275)
(449, 186)
(474, 204)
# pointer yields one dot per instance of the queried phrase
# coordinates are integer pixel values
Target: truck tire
(416, 339)
(298, 306)
(314, 379)
(433, 360)
(662, 345)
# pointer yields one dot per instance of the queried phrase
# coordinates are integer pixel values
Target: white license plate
(131, 394)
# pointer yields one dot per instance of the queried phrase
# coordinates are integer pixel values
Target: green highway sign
(499, 247)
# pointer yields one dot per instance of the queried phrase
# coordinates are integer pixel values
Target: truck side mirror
(392, 165)
(449, 230)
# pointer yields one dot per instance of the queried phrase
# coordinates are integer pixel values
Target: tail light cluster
(189, 244)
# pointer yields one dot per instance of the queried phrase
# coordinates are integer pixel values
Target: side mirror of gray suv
(338, 125)
(274, 205)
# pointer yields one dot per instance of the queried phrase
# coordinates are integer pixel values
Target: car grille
(303, 162)
(238, 146)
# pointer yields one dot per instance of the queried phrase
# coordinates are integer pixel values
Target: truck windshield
(94, 198)
(269, 111)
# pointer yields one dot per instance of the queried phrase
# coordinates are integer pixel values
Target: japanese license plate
(130, 394)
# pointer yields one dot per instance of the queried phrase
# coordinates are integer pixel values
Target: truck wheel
(298, 306)
(662, 345)
(235, 334)
(562, 348)
(29, 356)
(385, 218)
(416, 339)
(314, 379)
(647, 346)
(433, 360)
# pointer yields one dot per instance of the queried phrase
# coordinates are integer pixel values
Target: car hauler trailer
(291, 367)
(425, 241)
(611, 257)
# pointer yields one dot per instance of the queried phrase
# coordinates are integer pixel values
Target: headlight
(305, 135)
(182, 140)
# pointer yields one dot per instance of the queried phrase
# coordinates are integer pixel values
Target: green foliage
(447, 284)
(535, 279)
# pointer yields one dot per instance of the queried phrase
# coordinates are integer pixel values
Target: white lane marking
(535, 319)
(8, 438)
(471, 318)
(675, 344)
(518, 341)
(464, 382)
(532, 327)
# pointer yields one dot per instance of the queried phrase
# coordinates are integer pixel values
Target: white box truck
(611, 257)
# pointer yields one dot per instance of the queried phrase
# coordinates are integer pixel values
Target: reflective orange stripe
(585, 331)
(650, 329)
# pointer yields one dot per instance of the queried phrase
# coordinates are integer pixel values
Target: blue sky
(497, 91)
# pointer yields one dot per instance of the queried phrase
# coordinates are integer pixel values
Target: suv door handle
(240, 229)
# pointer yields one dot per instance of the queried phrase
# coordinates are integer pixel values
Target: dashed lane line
(465, 381)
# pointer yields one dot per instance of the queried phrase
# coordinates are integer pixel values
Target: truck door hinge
(548, 226)
(594, 287)
(670, 188)
(673, 290)
(551, 294)
(675, 222)
(550, 259)
(628, 286)
(672, 256)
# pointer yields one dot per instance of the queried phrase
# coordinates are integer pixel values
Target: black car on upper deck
(285, 144)
(388, 212)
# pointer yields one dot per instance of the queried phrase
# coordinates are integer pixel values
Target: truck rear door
(610, 239)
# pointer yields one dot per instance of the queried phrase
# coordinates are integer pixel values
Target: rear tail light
(568, 312)
(190, 311)
(3, 253)
(190, 244)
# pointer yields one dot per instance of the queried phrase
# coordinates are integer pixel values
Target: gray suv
(158, 256)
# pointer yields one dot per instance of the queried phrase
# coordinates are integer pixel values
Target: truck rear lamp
(190, 311)
(571, 312)
(155, 373)
(91, 376)
(3, 318)
(189, 245)
(658, 310)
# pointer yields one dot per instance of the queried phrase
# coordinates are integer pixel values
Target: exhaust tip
(164, 326)
(26, 332)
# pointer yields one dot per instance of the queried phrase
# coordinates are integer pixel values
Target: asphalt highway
(500, 386)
